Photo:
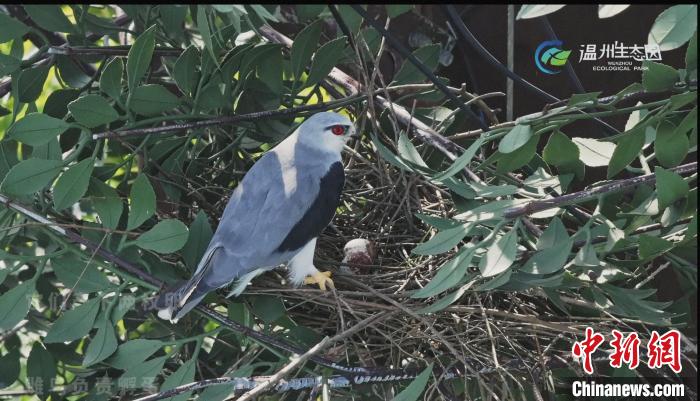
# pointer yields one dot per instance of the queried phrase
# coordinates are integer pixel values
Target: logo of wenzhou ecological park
(550, 58)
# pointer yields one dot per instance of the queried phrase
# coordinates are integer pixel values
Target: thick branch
(619, 185)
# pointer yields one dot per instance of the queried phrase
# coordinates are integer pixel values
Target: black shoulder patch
(320, 212)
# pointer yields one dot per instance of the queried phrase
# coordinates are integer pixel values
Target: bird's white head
(326, 131)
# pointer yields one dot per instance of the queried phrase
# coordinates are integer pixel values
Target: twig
(229, 120)
(619, 185)
(603, 101)
(469, 38)
(405, 53)
(109, 51)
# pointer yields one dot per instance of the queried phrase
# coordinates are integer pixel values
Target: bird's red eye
(338, 130)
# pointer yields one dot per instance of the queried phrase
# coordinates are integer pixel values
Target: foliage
(69, 316)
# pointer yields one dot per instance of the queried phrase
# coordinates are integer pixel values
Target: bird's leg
(302, 269)
(323, 279)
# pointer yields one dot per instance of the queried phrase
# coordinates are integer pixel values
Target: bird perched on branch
(274, 216)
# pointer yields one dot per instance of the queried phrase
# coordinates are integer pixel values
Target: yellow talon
(320, 278)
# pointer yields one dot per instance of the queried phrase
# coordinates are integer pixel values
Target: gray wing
(260, 216)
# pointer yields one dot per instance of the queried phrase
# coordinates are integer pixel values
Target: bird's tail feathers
(174, 303)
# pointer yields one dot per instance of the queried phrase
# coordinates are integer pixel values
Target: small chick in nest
(359, 253)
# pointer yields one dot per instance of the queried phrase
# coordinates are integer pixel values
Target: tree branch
(418, 64)
(230, 120)
(109, 51)
(619, 185)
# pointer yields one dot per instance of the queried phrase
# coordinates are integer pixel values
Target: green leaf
(37, 129)
(9, 367)
(627, 150)
(448, 275)
(691, 54)
(674, 26)
(262, 12)
(549, 260)
(268, 307)
(408, 73)
(139, 57)
(8, 157)
(444, 240)
(492, 191)
(49, 17)
(445, 301)
(8, 64)
(70, 72)
(111, 78)
(142, 375)
(671, 147)
(670, 187)
(438, 222)
(75, 323)
(106, 202)
(303, 48)
(413, 391)
(41, 370)
(305, 12)
(15, 304)
(326, 57)
(270, 69)
(72, 184)
(537, 10)
(102, 345)
(679, 100)
(495, 282)
(611, 10)
(142, 202)
(461, 162)
(183, 375)
(75, 273)
(587, 256)
(150, 100)
(689, 122)
(31, 82)
(520, 157)
(29, 176)
(352, 19)
(658, 77)
(205, 31)
(389, 156)
(49, 151)
(578, 98)
(594, 153)
(185, 70)
(691, 232)
(167, 236)
(554, 234)
(57, 103)
(500, 255)
(394, 10)
(198, 240)
(515, 138)
(560, 150)
(651, 246)
(409, 152)
(11, 28)
(92, 111)
(134, 352)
